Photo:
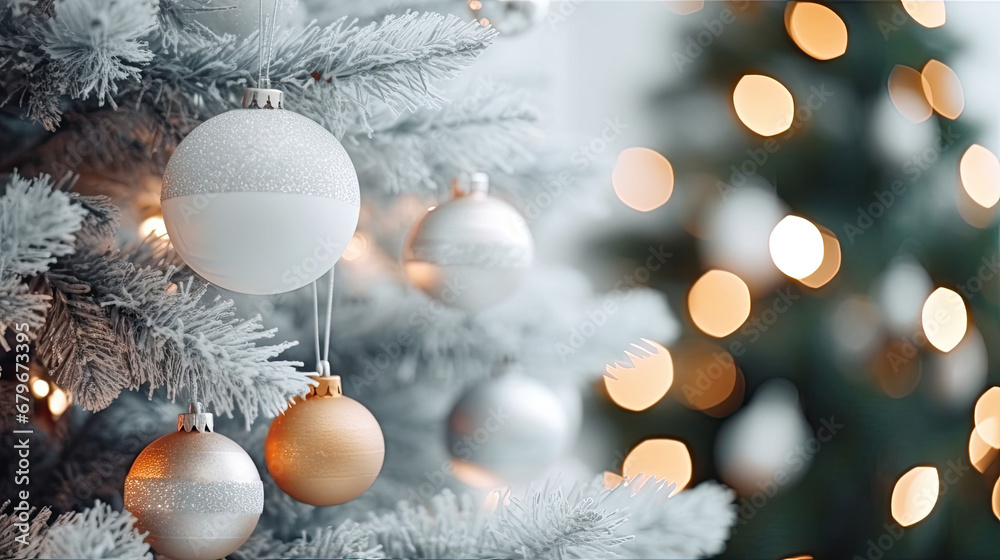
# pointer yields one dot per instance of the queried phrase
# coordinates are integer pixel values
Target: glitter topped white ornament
(260, 200)
(470, 252)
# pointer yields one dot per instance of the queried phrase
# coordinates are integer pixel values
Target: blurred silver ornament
(196, 492)
(510, 17)
(508, 430)
(768, 445)
(470, 252)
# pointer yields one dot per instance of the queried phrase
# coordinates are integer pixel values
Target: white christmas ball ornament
(260, 200)
(513, 427)
(470, 252)
(197, 493)
(768, 443)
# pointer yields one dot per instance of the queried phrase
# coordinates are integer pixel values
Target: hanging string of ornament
(260, 164)
(326, 449)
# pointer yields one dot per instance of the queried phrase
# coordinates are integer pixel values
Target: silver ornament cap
(196, 419)
(263, 98)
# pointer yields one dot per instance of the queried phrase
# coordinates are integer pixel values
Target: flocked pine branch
(14, 541)
(587, 521)
(113, 326)
(393, 61)
(98, 533)
(81, 48)
(93, 45)
(123, 52)
(486, 129)
(38, 224)
(693, 523)
(18, 305)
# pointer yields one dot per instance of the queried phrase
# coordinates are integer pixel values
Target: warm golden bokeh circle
(666, 459)
(719, 303)
(816, 29)
(929, 13)
(643, 179)
(943, 89)
(915, 494)
(906, 91)
(705, 375)
(763, 104)
(944, 319)
(643, 379)
(830, 264)
(979, 170)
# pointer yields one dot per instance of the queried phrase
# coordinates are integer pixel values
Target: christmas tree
(845, 401)
(122, 121)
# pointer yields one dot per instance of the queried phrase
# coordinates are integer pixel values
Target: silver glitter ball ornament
(197, 492)
(260, 200)
(508, 429)
(471, 252)
(510, 17)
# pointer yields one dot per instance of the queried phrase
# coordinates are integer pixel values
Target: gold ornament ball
(198, 494)
(326, 449)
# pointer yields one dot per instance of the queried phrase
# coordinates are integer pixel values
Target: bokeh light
(685, 7)
(40, 388)
(929, 13)
(705, 375)
(906, 90)
(830, 265)
(763, 104)
(737, 230)
(987, 417)
(980, 174)
(896, 369)
(642, 382)
(995, 501)
(944, 319)
(475, 476)
(666, 459)
(58, 402)
(154, 226)
(642, 179)
(943, 89)
(796, 246)
(719, 302)
(981, 455)
(855, 326)
(901, 291)
(731, 403)
(816, 29)
(756, 443)
(960, 375)
(356, 248)
(915, 495)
